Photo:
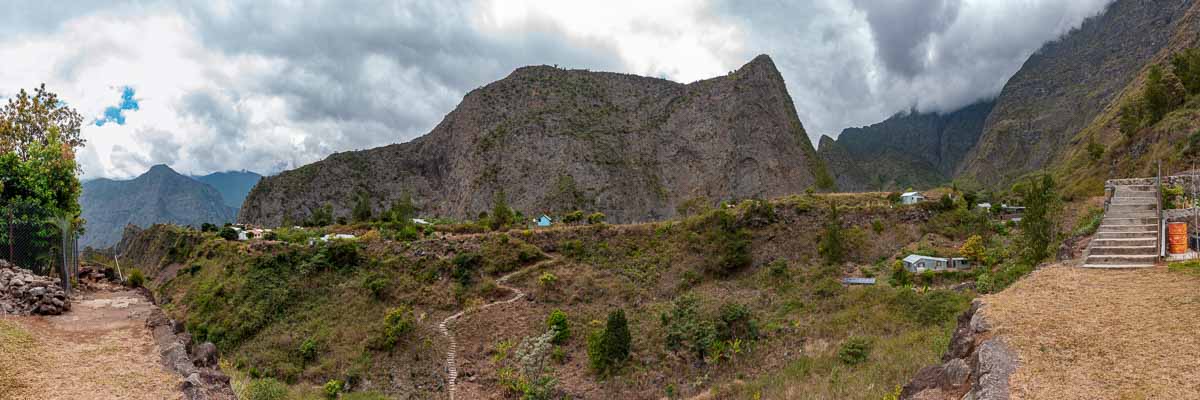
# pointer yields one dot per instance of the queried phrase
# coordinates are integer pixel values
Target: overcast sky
(268, 85)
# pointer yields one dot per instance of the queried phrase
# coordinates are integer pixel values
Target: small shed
(858, 281)
(919, 263)
(544, 220)
(911, 198)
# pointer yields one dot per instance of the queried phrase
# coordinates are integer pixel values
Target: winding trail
(444, 326)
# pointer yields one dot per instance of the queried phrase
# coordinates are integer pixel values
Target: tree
(686, 330)
(1133, 116)
(831, 247)
(1186, 65)
(403, 210)
(900, 276)
(362, 208)
(502, 216)
(608, 348)
(1039, 224)
(1163, 93)
(27, 122)
(973, 248)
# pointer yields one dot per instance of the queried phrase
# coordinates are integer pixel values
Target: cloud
(116, 114)
(264, 85)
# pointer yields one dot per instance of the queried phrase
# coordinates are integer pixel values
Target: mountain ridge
(160, 195)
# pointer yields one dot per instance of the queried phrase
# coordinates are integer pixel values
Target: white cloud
(256, 85)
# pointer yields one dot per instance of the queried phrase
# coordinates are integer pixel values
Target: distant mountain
(233, 185)
(907, 150)
(160, 195)
(553, 139)
(1073, 86)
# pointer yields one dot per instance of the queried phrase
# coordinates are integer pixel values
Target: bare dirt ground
(1102, 334)
(101, 349)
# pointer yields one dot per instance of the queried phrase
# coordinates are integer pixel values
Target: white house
(985, 206)
(919, 263)
(911, 198)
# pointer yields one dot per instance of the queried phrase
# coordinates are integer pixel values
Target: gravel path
(1102, 334)
(99, 350)
(447, 330)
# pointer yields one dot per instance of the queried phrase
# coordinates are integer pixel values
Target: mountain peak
(160, 169)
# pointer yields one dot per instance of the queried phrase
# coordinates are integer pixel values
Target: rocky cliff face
(1068, 83)
(555, 140)
(161, 195)
(907, 150)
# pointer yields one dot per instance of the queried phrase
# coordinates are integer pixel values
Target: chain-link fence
(32, 237)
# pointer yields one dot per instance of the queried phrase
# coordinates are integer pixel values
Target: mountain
(233, 185)
(1066, 85)
(160, 195)
(552, 140)
(909, 149)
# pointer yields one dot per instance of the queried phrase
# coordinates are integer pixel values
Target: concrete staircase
(1128, 235)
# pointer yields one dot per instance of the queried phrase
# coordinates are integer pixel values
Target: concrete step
(1123, 242)
(1117, 266)
(1132, 208)
(1138, 188)
(1127, 228)
(1126, 235)
(1134, 200)
(1121, 259)
(1121, 250)
(1128, 221)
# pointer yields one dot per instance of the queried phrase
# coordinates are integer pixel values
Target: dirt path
(1102, 334)
(446, 328)
(101, 349)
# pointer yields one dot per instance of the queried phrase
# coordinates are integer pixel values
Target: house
(919, 263)
(544, 220)
(858, 281)
(419, 221)
(984, 206)
(911, 198)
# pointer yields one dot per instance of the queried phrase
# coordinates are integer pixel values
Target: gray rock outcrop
(976, 365)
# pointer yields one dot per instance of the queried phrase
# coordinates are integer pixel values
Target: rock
(205, 355)
(979, 324)
(995, 364)
(955, 372)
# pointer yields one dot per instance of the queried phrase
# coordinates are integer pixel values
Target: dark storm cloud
(902, 29)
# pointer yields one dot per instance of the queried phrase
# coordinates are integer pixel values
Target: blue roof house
(544, 220)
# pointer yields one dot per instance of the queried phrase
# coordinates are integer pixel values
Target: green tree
(1133, 116)
(1095, 150)
(557, 322)
(403, 210)
(362, 208)
(1186, 65)
(1039, 224)
(832, 248)
(42, 120)
(686, 330)
(608, 348)
(502, 215)
(1163, 93)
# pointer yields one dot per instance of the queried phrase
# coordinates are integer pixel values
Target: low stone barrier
(24, 293)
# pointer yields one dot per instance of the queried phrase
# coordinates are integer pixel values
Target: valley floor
(99, 350)
(1102, 334)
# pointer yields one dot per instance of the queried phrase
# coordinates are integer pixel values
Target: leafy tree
(595, 218)
(1039, 224)
(1163, 93)
(855, 351)
(321, 216)
(208, 227)
(502, 215)
(973, 248)
(900, 276)
(41, 120)
(1186, 65)
(403, 210)
(362, 208)
(1133, 116)
(572, 217)
(228, 233)
(832, 248)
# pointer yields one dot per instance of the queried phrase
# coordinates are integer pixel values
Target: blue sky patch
(116, 114)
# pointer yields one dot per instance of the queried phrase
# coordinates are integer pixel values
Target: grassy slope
(260, 302)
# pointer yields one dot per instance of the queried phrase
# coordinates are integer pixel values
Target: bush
(900, 277)
(464, 265)
(208, 227)
(759, 213)
(685, 329)
(337, 254)
(547, 280)
(832, 247)
(728, 244)
(135, 278)
(557, 322)
(375, 284)
(572, 217)
(332, 388)
(973, 248)
(855, 351)
(362, 208)
(595, 218)
(321, 216)
(396, 325)
(266, 389)
(608, 348)
(228, 233)
(736, 321)
(308, 350)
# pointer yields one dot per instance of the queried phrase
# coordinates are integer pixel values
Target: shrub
(228, 233)
(308, 349)
(375, 284)
(332, 388)
(362, 208)
(557, 322)
(266, 389)
(900, 276)
(338, 254)
(877, 226)
(1095, 150)
(547, 280)
(208, 227)
(973, 248)
(595, 218)
(728, 244)
(736, 321)
(685, 329)
(396, 325)
(572, 217)
(855, 351)
(778, 268)
(135, 278)
(1039, 224)
(759, 213)
(464, 265)
(608, 348)
(321, 216)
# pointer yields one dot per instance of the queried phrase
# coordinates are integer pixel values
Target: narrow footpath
(446, 326)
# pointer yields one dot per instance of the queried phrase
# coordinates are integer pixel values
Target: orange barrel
(1177, 237)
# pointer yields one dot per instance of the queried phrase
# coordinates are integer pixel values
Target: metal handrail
(1158, 237)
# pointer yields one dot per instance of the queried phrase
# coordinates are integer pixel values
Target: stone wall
(23, 293)
(976, 366)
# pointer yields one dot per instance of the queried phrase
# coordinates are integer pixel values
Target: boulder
(205, 355)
